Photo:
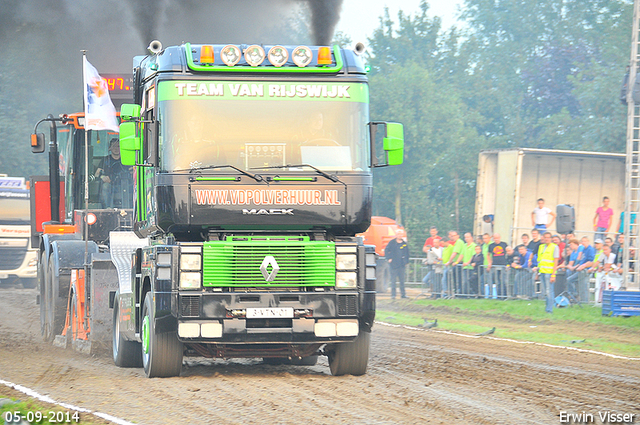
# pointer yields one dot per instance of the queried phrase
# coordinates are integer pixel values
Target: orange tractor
(381, 231)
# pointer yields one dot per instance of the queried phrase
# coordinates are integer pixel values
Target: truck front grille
(11, 258)
(237, 261)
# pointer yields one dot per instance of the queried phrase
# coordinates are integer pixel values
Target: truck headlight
(190, 280)
(190, 262)
(346, 262)
(346, 280)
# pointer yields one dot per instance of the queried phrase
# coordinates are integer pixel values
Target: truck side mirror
(37, 142)
(129, 143)
(391, 136)
(393, 144)
(129, 133)
(129, 111)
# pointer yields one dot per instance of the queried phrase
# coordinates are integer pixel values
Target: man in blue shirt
(522, 269)
(572, 262)
(584, 260)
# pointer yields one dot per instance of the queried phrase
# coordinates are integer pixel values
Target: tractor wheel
(55, 306)
(44, 306)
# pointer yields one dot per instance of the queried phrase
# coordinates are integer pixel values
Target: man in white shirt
(606, 278)
(540, 216)
(434, 263)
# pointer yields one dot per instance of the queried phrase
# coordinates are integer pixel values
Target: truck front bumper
(285, 317)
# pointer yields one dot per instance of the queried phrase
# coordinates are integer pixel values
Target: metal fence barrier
(499, 282)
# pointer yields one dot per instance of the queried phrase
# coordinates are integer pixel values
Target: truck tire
(56, 307)
(161, 353)
(351, 358)
(125, 353)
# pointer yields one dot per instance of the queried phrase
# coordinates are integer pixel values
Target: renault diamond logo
(269, 261)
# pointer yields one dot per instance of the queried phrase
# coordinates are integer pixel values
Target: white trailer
(18, 261)
(511, 180)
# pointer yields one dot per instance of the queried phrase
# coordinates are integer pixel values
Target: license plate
(261, 313)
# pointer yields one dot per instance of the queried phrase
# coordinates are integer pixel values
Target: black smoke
(325, 15)
(41, 43)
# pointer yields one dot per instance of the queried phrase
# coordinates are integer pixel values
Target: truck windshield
(259, 125)
(14, 208)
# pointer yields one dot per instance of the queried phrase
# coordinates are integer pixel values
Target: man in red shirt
(429, 242)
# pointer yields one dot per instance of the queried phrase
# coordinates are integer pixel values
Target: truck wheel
(125, 353)
(161, 353)
(351, 358)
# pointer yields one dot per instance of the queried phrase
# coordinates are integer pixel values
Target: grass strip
(521, 320)
(39, 412)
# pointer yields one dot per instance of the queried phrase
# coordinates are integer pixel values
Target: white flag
(99, 112)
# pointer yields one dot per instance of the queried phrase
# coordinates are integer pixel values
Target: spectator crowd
(485, 266)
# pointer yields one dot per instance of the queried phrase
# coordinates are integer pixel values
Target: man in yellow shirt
(467, 268)
(450, 257)
(548, 258)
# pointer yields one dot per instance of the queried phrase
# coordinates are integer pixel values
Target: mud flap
(104, 280)
(166, 324)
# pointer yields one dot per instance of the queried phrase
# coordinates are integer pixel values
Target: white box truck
(18, 262)
(511, 180)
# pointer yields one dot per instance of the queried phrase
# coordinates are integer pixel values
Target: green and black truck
(252, 174)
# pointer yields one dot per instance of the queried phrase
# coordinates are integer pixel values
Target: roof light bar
(242, 58)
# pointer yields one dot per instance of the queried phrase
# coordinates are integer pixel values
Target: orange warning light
(206, 54)
(324, 56)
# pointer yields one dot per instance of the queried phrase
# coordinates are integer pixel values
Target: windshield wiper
(319, 171)
(256, 177)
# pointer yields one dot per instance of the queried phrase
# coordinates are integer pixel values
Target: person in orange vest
(548, 258)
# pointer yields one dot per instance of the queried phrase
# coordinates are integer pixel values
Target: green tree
(553, 69)
(413, 82)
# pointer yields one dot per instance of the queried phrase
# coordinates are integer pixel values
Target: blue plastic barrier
(620, 303)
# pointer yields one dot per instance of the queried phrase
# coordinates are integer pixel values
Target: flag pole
(86, 170)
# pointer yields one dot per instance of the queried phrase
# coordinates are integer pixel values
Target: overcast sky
(360, 18)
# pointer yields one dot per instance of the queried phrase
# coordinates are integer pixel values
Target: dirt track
(414, 377)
